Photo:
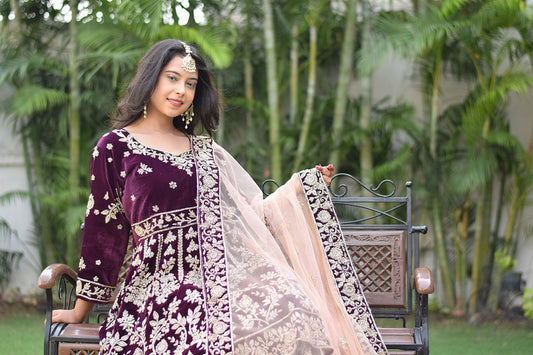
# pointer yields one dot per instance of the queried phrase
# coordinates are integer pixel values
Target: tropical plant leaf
(33, 99)
(208, 42)
(473, 173)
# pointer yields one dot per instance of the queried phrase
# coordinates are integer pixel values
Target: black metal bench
(381, 238)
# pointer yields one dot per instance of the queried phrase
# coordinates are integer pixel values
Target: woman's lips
(176, 103)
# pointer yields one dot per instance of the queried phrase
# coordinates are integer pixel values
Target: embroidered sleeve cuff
(93, 291)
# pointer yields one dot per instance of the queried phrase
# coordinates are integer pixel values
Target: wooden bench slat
(83, 332)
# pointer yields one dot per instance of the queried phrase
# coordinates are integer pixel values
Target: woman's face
(174, 91)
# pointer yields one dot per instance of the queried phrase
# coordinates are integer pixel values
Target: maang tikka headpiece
(188, 62)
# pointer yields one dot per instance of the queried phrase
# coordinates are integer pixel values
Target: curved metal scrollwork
(342, 189)
(265, 183)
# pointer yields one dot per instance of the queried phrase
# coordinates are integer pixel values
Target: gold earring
(187, 116)
(144, 111)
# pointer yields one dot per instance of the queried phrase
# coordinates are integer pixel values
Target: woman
(216, 269)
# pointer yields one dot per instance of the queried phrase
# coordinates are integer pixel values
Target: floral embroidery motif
(93, 290)
(165, 221)
(172, 184)
(182, 161)
(111, 211)
(144, 169)
(90, 205)
(81, 264)
(212, 252)
(338, 257)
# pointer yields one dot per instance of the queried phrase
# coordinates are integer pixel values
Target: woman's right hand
(66, 316)
(78, 314)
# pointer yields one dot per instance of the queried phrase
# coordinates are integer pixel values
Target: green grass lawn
(21, 333)
(449, 336)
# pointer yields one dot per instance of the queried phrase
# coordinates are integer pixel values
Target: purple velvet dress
(150, 194)
(207, 276)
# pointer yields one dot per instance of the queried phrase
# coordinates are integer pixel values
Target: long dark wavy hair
(141, 87)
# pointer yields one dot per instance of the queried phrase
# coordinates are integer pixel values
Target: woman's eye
(191, 85)
(170, 77)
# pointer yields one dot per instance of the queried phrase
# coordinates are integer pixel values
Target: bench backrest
(377, 226)
(378, 231)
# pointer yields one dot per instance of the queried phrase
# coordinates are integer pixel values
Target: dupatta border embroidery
(336, 252)
(212, 250)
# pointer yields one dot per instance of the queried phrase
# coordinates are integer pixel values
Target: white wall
(17, 213)
(397, 80)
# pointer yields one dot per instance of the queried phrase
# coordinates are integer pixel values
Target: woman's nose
(180, 88)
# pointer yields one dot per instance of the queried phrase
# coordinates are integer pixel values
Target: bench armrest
(423, 281)
(53, 273)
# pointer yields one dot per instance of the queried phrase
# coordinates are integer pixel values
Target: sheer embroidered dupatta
(267, 295)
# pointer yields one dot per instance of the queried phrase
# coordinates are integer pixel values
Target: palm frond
(33, 99)
(12, 196)
(207, 40)
(474, 172)
(450, 7)
(16, 68)
(497, 13)
(505, 140)
(388, 168)
(144, 17)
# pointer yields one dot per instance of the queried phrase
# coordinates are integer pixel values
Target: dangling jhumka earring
(187, 116)
(144, 111)
(188, 63)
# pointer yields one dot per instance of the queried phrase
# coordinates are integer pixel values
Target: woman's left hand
(327, 172)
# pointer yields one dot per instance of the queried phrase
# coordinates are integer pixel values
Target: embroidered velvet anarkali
(216, 269)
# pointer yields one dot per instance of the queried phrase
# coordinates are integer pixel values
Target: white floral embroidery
(122, 174)
(144, 169)
(182, 161)
(172, 184)
(155, 208)
(90, 205)
(96, 153)
(82, 264)
(109, 146)
(111, 212)
(98, 262)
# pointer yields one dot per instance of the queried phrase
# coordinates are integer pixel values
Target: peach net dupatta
(303, 245)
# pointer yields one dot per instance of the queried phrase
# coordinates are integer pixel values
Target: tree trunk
(273, 96)
(345, 70)
(311, 87)
(293, 109)
(74, 122)
(481, 249)
(221, 123)
(438, 230)
(441, 251)
(367, 163)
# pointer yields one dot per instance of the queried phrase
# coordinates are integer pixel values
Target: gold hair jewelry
(187, 116)
(188, 63)
(144, 111)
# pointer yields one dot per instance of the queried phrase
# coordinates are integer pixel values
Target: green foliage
(8, 259)
(527, 299)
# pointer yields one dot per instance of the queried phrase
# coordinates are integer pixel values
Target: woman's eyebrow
(179, 74)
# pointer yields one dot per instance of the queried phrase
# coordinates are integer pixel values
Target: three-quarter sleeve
(106, 231)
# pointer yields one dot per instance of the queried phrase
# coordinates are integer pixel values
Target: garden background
(435, 92)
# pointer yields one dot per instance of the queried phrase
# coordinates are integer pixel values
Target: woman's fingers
(327, 172)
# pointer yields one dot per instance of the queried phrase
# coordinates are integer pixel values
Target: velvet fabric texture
(216, 269)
